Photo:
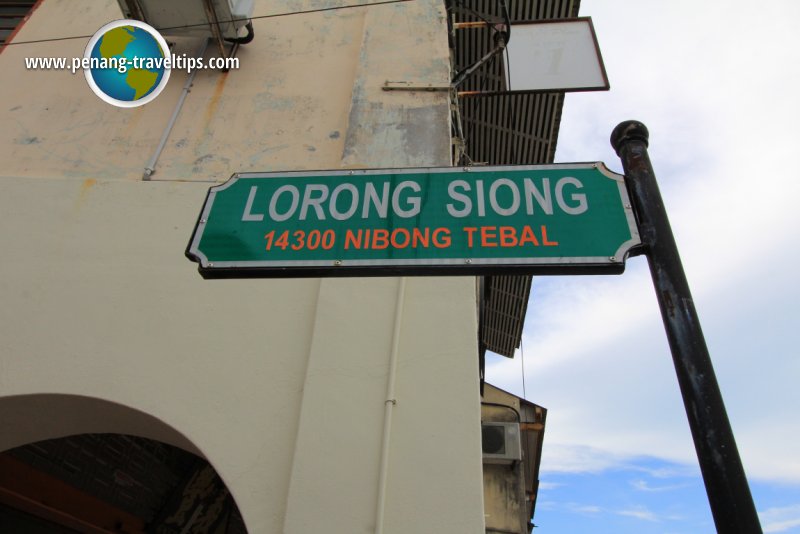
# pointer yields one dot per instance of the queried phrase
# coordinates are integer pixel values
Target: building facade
(335, 405)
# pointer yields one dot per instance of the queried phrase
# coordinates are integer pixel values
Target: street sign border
(413, 267)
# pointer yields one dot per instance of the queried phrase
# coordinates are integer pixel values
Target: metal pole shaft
(726, 484)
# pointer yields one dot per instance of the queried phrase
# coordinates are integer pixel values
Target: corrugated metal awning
(12, 14)
(506, 129)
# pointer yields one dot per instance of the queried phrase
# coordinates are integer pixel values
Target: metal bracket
(414, 86)
(216, 31)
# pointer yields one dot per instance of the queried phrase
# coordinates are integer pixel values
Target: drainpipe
(150, 168)
(389, 405)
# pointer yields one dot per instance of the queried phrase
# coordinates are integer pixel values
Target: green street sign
(544, 219)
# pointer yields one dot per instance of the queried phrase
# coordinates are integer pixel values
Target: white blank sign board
(554, 56)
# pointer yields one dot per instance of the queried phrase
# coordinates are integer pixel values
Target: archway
(77, 464)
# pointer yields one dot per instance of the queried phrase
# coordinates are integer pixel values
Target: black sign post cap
(629, 131)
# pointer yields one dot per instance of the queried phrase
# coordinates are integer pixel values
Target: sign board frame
(556, 45)
(252, 211)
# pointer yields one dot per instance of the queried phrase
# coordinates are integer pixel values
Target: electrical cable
(487, 62)
(522, 361)
(305, 12)
(465, 137)
(501, 39)
(508, 69)
(510, 115)
(509, 108)
(507, 18)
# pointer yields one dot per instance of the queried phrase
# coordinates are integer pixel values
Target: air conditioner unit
(501, 443)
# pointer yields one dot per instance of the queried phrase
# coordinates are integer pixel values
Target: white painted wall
(279, 383)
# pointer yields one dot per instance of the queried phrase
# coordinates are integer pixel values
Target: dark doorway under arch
(98, 483)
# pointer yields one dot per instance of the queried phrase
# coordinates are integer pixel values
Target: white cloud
(586, 509)
(672, 471)
(780, 519)
(571, 507)
(639, 512)
(643, 485)
(713, 89)
(570, 458)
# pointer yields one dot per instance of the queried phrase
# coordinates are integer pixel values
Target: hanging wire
(501, 38)
(507, 19)
(522, 360)
(305, 12)
(510, 114)
(508, 69)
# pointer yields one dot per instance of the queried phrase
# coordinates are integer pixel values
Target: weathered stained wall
(308, 96)
(503, 484)
(510, 490)
(280, 384)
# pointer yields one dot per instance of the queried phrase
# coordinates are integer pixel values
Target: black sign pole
(726, 485)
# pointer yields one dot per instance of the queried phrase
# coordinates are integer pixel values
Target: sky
(716, 84)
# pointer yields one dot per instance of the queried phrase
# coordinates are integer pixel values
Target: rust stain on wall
(211, 109)
(83, 193)
(86, 185)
